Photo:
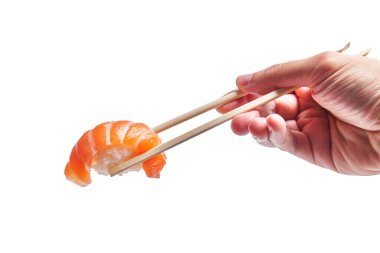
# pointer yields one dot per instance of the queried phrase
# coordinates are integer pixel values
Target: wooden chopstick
(344, 48)
(207, 126)
(230, 96)
(198, 130)
(365, 52)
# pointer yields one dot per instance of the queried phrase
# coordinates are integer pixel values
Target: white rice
(111, 157)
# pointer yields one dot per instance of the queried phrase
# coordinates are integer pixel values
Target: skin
(332, 120)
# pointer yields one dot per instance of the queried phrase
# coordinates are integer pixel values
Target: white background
(66, 66)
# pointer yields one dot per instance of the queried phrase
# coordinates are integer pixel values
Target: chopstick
(198, 130)
(207, 126)
(230, 96)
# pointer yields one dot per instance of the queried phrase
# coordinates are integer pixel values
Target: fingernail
(243, 81)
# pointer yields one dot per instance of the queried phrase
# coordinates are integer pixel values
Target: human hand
(332, 121)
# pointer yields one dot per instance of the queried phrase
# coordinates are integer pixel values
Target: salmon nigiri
(110, 143)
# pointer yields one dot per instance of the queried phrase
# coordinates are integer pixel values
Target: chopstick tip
(344, 48)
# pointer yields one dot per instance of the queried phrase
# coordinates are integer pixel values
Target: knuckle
(328, 61)
(325, 65)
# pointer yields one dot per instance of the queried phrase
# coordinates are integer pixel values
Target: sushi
(110, 143)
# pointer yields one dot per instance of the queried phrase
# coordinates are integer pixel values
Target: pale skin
(332, 120)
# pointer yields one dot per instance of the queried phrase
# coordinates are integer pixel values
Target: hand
(332, 121)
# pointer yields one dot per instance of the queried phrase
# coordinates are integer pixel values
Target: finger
(276, 130)
(292, 141)
(286, 106)
(240, 123)
(306, 72)
(258, 126)
(305, 99)
(259, 130)
(292, 125)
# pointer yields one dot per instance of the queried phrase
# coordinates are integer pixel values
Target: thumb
(307, 72)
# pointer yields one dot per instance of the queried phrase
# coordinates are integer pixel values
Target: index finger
(307, 72)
